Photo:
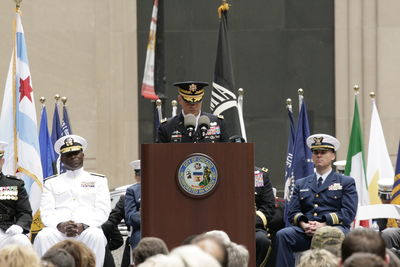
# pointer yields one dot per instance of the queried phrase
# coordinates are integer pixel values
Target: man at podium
(192, 125)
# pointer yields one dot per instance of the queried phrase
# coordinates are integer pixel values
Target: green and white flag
(355, 163)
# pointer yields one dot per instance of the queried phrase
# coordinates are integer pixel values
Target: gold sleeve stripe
(335, 218)
(263, 218)
(296, 217)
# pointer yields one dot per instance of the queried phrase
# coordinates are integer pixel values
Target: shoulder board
(12, 177)
(163, 120)
(264, 169)
(50, 177)
(97, 174)
(221, 117)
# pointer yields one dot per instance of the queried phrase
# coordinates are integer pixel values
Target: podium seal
(197, 175)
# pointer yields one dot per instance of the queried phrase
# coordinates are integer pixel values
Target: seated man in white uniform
(15, 209)
(74, 204)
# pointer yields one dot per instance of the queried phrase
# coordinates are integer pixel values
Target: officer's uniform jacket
(75, 195)
(132, 212)
(173, 130)
(335, 202)
(264, 197)
(14, 203)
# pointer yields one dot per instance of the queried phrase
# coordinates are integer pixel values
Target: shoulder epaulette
(163, 120)
(97, 174)
(264, 169)
(50, 177)
(221, 117)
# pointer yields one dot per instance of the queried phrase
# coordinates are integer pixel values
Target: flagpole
(240, 111)
(17, 10)
(301, 93)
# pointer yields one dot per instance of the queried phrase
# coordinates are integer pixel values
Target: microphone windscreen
(189, 120)
(204, 121)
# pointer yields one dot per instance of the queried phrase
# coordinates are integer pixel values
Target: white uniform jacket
(75, 195)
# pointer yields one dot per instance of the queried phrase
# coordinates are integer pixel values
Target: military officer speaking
(74, 204)
(15, 209)
(192, 125)
(323, 198)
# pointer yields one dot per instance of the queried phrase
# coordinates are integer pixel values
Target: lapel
(312, 184)
(331, 179)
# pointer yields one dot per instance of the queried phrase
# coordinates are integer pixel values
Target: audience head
(18, 256)
(238, 255)
(58, 258)
(364, 259)
(82, 255)
(213, 245)
(363, 240)
(193, 256)
(318, 258)
(329, 238)
(147, 247)
(221, 235)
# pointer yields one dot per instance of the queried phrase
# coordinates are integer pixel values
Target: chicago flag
(18, 125)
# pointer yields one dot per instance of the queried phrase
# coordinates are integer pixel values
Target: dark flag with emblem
(65, 125)
(301, 164)
(223, 99)
(289, 156)
(56, 127)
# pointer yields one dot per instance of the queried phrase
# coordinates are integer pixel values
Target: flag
(18, 125)
(223, 100)
(56, 127)
(65, 125)
(148, 76)
(379, 165)
(47, 155)
(355, 163)
(302, 164)
(395, 199)
(157, 120)
(289, 159)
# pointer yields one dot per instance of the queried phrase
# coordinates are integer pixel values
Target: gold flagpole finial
(372, 95)
(42, 100)
(64, 100)
(223, 7)
(288, 101)
(17, 3)
(57, 97)
(300, 91)
(356, 89)
(174, 103)
(158, 102)
(240, 91)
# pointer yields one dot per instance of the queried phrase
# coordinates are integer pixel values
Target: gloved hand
(14, 230)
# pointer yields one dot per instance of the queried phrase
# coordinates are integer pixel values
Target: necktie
(319, 181)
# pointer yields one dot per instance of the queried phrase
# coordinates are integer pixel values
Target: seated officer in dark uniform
(192, 125)
(15, 209)
(323, 198)
(265, 207)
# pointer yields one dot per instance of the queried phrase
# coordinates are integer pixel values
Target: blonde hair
(18, 256)
(318, 258)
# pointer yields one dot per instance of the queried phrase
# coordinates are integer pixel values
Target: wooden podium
(173, 215)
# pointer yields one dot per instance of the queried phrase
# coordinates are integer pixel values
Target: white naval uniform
(79, 196)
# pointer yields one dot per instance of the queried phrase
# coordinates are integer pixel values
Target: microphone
(190, 123)
(204, 125)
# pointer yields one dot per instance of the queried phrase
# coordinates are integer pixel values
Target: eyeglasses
(322, 152)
